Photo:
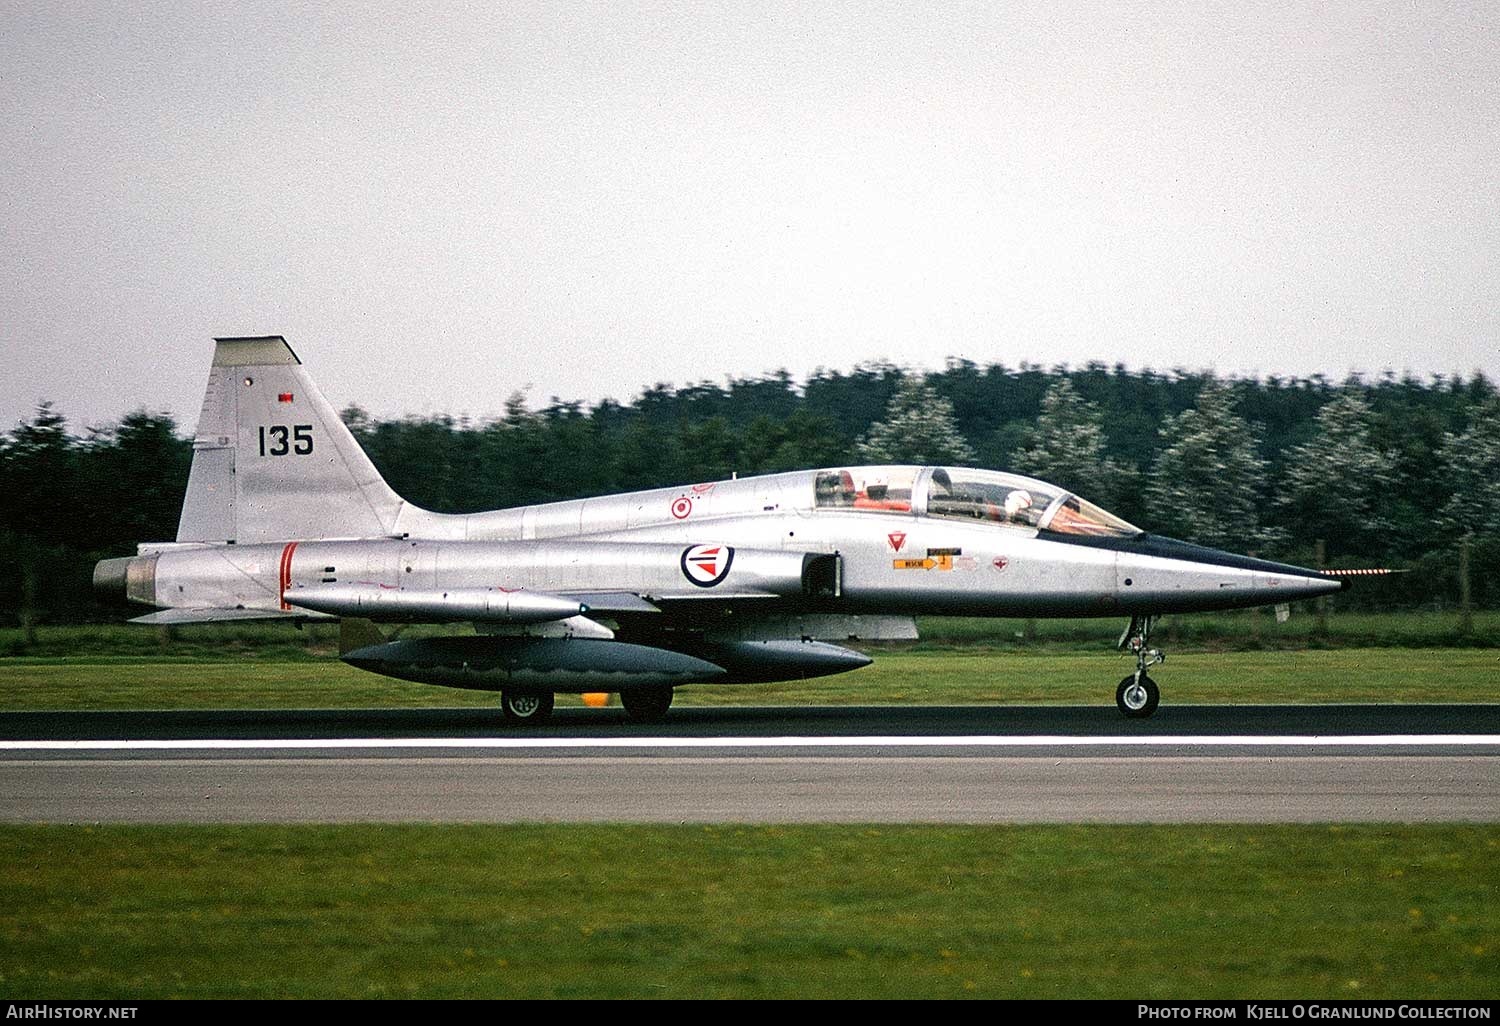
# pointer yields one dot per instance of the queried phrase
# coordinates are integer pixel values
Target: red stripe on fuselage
(285, 579)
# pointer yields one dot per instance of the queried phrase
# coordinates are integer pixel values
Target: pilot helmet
(1016, 501)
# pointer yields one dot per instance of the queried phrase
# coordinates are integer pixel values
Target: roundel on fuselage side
(706, 565)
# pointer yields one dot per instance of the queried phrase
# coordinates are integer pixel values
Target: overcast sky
(438, 204)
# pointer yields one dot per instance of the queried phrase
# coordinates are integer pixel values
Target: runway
(773, 764)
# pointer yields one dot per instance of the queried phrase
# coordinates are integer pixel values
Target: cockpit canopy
(959, 493)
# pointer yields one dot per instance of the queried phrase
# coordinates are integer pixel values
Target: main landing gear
(526, 707)
(647, 703)
(1137, 696)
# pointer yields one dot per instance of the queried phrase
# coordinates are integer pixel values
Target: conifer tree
(1067, 447)
(1472, 460)
(1336, 482)
(918, 428)
(1204, 486)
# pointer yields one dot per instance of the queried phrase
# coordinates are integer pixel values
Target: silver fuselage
(888, 562)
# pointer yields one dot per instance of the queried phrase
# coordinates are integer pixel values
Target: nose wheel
(1138, 696)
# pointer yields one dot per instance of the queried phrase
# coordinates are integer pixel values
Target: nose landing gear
(1137, 696)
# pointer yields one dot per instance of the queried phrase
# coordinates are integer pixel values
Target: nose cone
(1167, 575)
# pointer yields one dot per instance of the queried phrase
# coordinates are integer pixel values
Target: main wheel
(647, 704)
(526, 707)
(1137, 699)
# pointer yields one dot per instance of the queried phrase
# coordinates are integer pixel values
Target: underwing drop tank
(571, 665)
(758, 662)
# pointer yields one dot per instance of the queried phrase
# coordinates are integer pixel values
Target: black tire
(1137, 703)
(526, 707)
(648, 704)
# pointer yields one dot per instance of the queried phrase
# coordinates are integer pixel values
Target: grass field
(836, 911)
(937, 677)
(575, 911)
(1241, 657)
(1241, 630)
(1244, 630)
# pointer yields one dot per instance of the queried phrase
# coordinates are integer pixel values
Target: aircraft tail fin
(273, 461)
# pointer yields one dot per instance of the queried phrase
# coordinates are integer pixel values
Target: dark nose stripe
(1171, 548)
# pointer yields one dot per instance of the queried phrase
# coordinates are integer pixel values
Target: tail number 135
(281, 440)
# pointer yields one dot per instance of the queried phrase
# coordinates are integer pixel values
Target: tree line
(1391, 471)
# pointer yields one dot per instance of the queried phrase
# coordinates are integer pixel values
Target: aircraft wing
(613, 601)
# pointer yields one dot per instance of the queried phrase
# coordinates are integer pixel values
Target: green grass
(1244, 630)
(965, 676)
(1233, 657)
(230, 641)
(638, 911)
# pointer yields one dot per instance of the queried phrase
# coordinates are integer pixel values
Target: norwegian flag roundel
(707, 565)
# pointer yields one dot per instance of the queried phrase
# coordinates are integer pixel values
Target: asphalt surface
(726, 721)
(773, 764)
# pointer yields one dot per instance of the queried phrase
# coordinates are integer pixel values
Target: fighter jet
(717, 582)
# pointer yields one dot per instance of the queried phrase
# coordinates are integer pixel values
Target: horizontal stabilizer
(173, 617)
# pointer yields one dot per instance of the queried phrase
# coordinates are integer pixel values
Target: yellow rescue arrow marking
(930, 563)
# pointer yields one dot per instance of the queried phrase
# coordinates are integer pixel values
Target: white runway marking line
(959, 741)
